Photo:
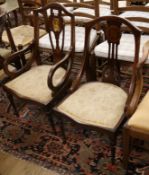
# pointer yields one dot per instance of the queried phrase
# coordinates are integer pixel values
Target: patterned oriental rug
(30, 137)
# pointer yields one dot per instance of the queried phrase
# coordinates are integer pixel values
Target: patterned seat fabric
(33, 85)
(127, 43)
(79, 35)
(22, 35)
(92, 104)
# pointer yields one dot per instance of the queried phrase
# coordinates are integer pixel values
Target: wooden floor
(10, 165)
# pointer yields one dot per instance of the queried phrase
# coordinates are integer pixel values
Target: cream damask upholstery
(126, 49)
(136, 14)
(79, 37)
(96, 103)
(122, 3)
(36, 78)
(22, 35)
(140, 119)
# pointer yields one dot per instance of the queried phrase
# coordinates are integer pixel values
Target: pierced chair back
(55, 27)
(43, 84)
(139, 16)
(112, 27)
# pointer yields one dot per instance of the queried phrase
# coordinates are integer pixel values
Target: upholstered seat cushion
(125, 50)
(122, 3)
(137, 14)
(23, 35)
(96, 103)
(104, 10)
(32, 84)
(5, 52)
(80, 38)
(140, 119)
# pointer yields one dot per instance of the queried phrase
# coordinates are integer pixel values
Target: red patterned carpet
(30, 137)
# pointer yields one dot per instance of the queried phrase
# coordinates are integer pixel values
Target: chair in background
(104, 105)
(137, 126)
(45, 2)
(138, 14)
(127, 40)
(5, 52)
(105, 7)
(24, 34)
(79, 29)
(41, 84)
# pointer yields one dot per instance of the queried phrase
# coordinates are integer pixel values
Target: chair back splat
(55, 27)
(112, 28)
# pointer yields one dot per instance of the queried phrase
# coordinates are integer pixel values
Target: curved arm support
(137, 83)
(68, 57)
(17, 57)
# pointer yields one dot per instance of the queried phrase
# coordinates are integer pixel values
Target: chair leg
(126, 147)
(113, 148)
(50, 118)
(63, 130)
(10, 97)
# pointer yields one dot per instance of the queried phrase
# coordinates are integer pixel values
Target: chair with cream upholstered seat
(24, 34)
(101, 103)
(43, 84)
(137, 126)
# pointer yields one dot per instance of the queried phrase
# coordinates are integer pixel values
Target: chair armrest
(18, 56)
(134, 92)
(68, 58)
(137, 83)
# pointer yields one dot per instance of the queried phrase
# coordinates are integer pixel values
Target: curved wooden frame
(60, 90)
(112, 22)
